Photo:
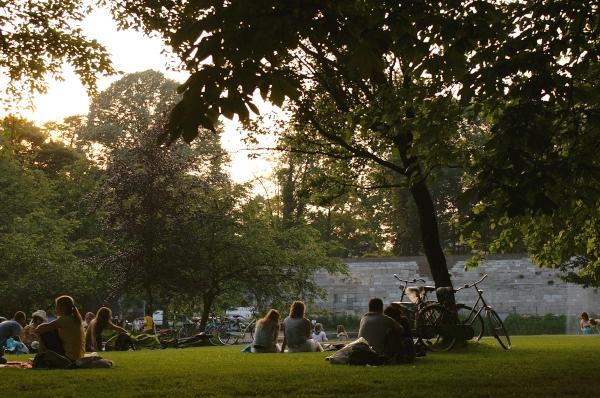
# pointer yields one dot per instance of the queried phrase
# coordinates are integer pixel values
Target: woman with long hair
(64, 335)
(297, 331)
(267, 331)
(93, 334)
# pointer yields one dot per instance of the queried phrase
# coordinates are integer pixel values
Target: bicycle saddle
(444, 290)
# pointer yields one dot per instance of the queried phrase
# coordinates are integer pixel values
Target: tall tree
(44, 235)
(373, 79)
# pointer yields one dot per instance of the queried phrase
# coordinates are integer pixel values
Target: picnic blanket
(17, 365)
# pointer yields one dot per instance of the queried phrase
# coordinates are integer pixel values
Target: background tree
(44, 235)
(39, 37)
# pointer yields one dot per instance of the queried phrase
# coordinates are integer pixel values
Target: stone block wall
(513, 285)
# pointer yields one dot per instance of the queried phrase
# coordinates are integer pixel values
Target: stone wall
(513, 285)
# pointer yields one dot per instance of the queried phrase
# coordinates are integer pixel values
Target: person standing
(148, 323)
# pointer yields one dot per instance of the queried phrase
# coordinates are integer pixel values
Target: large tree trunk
(430, 234)
(207, 303)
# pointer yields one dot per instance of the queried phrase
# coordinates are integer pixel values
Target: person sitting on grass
(584, 324)
(10, 329)
(93, 334)
(319, 334)
(29, 336)
(297, 331)
(341, 333)
(63, 335)
(382, 333)
(89, 317)
(267, 331)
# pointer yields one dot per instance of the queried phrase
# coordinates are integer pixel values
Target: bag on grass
(359, 352)
(93, 362)
(51, 360)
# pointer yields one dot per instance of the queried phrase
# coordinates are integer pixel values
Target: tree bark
(430, 234)
(207, 304)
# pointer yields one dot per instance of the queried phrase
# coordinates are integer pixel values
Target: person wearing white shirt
(319, 334)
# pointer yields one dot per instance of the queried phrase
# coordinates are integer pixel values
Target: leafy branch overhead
(38, 37)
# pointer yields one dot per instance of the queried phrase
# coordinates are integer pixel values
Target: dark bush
(534, 324)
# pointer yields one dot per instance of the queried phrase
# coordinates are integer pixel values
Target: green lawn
(537, 366)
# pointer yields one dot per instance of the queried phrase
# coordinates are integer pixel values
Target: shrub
(534, 324)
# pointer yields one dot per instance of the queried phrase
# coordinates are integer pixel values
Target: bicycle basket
(413, 294)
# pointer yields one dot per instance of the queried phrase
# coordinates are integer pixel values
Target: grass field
(537, 366)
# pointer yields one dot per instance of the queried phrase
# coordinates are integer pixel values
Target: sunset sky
(131, 51)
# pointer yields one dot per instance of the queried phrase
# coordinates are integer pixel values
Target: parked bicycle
(412, 309)
(214, 329)
(238, 329)
(465, 323)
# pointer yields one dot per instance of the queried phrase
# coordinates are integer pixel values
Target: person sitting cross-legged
(297, 331)
(64, 335)
(382, 333)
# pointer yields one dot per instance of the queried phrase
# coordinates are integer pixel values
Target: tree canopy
(39, 37)
(505, 90)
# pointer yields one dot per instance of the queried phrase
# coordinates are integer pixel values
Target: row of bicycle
(438, 325)
(218, 330)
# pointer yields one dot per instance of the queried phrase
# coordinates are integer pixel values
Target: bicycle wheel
(213, 334)
(223, 333)
(187, 330)
(466, 316)
(498, 329)
(431, 321)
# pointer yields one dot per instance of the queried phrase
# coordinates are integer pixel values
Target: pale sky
(130, 52)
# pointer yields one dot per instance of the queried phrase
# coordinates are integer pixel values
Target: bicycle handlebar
(413, 281)
(472, 284)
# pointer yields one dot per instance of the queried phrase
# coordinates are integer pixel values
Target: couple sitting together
(297, 332)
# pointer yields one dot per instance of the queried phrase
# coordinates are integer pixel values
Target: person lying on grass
(63, 335)
(267, 330)
(93, 334)
(297, 331)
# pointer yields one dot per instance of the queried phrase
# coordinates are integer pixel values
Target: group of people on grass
(387, 331)
(68, 335)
